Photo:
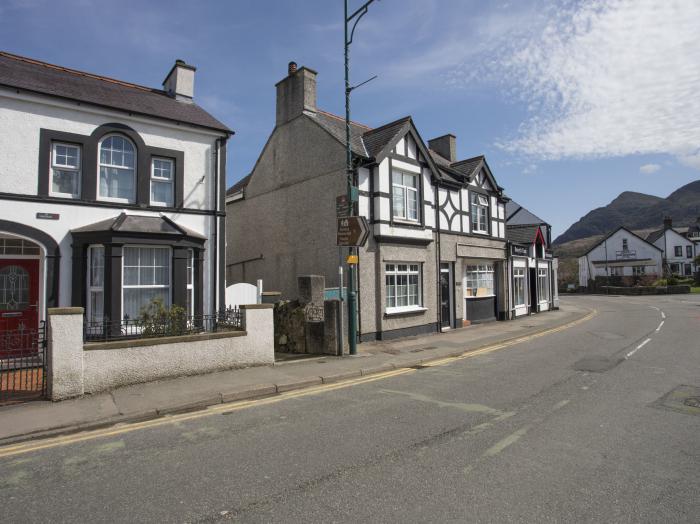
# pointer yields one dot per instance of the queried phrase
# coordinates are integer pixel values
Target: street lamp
(351, 189)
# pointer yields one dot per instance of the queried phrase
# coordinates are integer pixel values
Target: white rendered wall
(614, 243)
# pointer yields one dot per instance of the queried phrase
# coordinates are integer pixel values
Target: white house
(620, 254)
(112, 194)
(678, 250)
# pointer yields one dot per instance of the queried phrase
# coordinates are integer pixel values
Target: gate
(22, 364)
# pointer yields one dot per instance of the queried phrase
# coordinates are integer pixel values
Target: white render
(667, 243)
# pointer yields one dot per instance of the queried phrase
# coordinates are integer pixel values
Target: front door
(445, 295)
(19, 294)
(534, 300)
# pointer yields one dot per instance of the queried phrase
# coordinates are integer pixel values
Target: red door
(19, 294)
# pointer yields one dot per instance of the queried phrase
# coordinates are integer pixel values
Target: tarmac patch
(597, 364)
(683, 399)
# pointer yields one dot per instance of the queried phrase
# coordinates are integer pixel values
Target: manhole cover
(683, 399)
(597, 364)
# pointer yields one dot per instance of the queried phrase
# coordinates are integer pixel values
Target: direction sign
(352, 231)
(342, 209)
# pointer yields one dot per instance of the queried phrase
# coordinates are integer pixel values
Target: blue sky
(572, 103)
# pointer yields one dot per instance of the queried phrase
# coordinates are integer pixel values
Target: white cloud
(648, 169)
(611, 78)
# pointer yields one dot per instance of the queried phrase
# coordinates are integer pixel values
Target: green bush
(156, 320)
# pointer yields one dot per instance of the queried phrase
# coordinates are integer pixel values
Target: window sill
(482, 296)
(407, 222)
(398, 311)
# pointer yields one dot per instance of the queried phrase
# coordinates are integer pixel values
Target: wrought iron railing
(22, 364)
(167, 325)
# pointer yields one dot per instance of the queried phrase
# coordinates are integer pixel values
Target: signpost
(352, 231)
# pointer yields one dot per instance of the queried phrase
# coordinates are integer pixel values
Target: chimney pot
(292, 68)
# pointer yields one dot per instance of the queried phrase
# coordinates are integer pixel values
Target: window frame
(395, 173)
(639, 271)
(189, 287)
(134, 169)
(519, 285)
(169, 286)
(475, 206)
(678, 251)
(543, 284)
(161, 180)
(77, 171)
(395, 272)
(90, 288)
(688, 251)
(489, 268)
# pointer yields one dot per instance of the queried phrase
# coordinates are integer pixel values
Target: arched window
(117, 162)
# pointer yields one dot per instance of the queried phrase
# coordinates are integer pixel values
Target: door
(445, 295)
(534, 300)
(19, 294)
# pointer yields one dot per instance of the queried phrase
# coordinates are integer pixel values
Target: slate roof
(468, 166)
(654, 236)
(518, 215)
(48, 79)
(522, 234)
(124, 223)
(240, 185)
(335, 125)
(376, 139)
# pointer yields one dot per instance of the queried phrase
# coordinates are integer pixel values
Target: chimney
(668, 223)
(445, 146)
(179, 83)
(296, 93)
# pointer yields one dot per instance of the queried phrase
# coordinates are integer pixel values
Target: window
(479, 281)
(65, 170)
(162, 182)
(117, 162)
(405, 195)
(402, 286)
(480, 206)
(689, 251)
(638, 271)
(688, 270)
(146, 277)
(625, 246)
(678, 251)
(190, 282)
(96, 273)
(14, 289)
(519, 286)
(543, 284)
(675, 269)
(616, 271)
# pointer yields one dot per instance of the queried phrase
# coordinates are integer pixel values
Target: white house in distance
(112, 194)
(678, 250)
(620, 254)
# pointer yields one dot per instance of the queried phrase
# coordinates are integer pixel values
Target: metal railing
(167, 325)
(22, 364)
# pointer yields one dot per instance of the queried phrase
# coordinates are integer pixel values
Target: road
(579, 425)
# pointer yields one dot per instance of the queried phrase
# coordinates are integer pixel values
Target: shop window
(479, 281)
(146, 277)
(479, 211)
(402, 286)
(543, 284)
(519, 286)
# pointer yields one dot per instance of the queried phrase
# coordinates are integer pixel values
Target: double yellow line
(120, 429)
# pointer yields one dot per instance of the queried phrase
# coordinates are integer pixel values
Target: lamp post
(351, 189)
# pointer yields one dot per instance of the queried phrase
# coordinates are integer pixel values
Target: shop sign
(518, 251)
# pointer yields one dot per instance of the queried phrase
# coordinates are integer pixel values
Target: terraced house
(436, 257)
(112, 194)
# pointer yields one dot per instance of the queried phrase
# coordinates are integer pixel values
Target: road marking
(503, 444)
(120, 429)
(663, 315)
(560, 404)
(660, 326)
(654, 307)
(640, 346)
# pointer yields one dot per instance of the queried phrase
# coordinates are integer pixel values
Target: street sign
(342, 209)
(352, 231)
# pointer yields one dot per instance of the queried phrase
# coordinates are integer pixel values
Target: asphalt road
(579, 425)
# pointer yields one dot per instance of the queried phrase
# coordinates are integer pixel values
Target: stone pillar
(257, 320)
(311, 289)
(64, 337)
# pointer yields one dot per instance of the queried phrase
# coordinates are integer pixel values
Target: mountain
(638, 211)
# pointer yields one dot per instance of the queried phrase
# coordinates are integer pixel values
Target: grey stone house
(436, 256)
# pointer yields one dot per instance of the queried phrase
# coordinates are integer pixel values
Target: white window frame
(391, 269)
(76, 170)
(161, 180)
(406, 190)
(190, 282)
(478, 271)
(519, 279)
(676, 249)
(101, 197)
(169, 286)
(639, 271)
(476, 207)
(543, 284)
(93, 288)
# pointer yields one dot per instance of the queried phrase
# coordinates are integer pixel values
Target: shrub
(157, 320)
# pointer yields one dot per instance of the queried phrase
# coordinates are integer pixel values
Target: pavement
(40, 419)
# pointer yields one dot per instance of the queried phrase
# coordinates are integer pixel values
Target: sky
(572, 102)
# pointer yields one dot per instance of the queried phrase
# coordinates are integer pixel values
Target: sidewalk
(143, 401)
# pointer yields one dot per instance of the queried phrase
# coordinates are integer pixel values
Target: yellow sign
(352, 259)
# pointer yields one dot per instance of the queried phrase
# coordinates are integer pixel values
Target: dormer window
(117, 163)
(480, 206)
(65, 170)
(162, 171)
(405, 196)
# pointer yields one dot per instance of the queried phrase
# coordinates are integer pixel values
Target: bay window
(405, 195)
(402, 286)
(117, 163)
(65, 170)
(519, 286)
(190, 282)
(479, 212)
(542, 284)
(145, 277)
(162, 182)
(479, 281)
(96, 272)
